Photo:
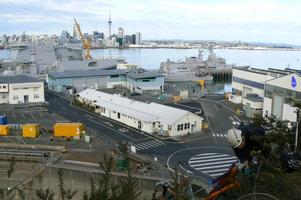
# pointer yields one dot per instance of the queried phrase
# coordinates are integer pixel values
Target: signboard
(294, 82)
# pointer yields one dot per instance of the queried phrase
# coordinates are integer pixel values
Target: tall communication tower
(110, 25)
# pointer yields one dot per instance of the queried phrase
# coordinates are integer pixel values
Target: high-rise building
(110, 25)
(138, 38)
(127, 40)
(75, 34)
(133, 39)
(97, 35)
(120, 32)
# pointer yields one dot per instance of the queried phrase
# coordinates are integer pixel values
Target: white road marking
(212, 164)
(148, 145)
(112, 129)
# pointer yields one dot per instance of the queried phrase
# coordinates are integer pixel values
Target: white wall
(252, 104)
(112, 84)
(31, 89)
(4, 98)
(288, 113)
(188, 118)
(252, 76)
(3, 87)
(267, 106)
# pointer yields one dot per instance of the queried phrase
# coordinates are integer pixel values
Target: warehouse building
(248, 87)
(278, 95)
(21, 89)
(147, 117)
(135, 81)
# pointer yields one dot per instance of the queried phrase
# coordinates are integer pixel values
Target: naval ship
(194, 68)
(40, 59)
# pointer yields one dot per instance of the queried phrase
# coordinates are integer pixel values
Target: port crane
(86, 43)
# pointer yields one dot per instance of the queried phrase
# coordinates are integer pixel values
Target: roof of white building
(143, 111)
(18, 79)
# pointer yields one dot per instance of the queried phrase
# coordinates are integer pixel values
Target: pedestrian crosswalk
(212, 164)
(148, 145)
(219, 135)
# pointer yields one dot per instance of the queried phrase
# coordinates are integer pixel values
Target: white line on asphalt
(236, 118)
(216, 170)
(213, 167)
(214, 135)
(214, 105)
(218, 174)
(217, 135)
(205, 157)
(208, 160)
(213, 163)
(112, 129)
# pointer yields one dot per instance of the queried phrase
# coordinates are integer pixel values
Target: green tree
(180, 186)
(129, 187)
(65, 194)
(45, 195)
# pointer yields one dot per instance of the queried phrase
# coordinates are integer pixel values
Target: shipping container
(31, 130)
(4, 130)
(68, 130)
(3, 120)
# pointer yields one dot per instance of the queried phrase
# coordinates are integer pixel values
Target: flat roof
(101, 72)
(150, 112)
(254, 98)
(82, 73)
(146, 74)
(269, 71)
(18, 79)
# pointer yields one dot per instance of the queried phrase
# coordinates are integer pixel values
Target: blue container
(3, 120)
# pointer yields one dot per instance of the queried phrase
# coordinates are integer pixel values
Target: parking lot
(40, 115)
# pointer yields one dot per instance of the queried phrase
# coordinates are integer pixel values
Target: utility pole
(297, 130)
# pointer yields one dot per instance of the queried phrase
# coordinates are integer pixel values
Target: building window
(36, 96)
(118, 115)
(15, 97)
(145, 80)
(179, 127)
(188, 125)
(114, 76)
(182, 126)
(169, 127)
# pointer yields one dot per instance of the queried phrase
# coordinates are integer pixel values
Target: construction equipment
(86, 43)
(4, 130)
(69, 130)
(31, 130)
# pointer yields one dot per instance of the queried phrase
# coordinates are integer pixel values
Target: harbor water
(151, 59)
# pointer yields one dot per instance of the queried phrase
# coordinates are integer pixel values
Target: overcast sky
(246, 20)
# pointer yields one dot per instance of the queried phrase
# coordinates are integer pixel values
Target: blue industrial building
(135, 81)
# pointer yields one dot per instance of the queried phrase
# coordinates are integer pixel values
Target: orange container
(31, 130)
(68, 130)
(4, 130)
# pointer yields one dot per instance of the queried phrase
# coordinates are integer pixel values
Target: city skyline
(252, 21)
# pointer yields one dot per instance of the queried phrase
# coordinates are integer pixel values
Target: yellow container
(4, 130)
(68, 130)
(177, 99)
(31, 130)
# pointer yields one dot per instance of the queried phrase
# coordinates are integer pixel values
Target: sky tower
(110, 24)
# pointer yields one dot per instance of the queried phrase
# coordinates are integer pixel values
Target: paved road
(168, 152)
